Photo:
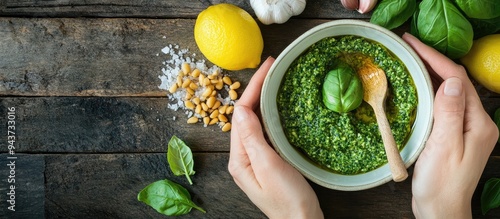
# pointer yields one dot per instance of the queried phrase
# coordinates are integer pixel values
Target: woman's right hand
(462, 138)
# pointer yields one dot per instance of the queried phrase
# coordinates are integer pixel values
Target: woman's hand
(463, 136)
(277, 189)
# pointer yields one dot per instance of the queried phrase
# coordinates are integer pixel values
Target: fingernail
(453, 87)
(240, 114)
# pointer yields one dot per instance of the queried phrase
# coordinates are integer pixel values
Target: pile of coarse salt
(173, 67)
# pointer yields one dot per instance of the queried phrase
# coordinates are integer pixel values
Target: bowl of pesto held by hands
(314, 115)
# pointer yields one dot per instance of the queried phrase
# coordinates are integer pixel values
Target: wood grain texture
(113, 125)
(26, 174)
(106, 186)
(153, 8)
(110, 125)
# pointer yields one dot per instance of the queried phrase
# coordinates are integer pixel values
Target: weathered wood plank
(103, 57)
(109, 57)
(22, 186)
(152, 8)
(106, 185)
(113, 125)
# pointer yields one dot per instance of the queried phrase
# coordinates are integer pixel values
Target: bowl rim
(271, 117)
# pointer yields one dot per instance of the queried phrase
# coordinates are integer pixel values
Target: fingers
(239, 163)
(439, 63)
(449, 111)
(250, 96)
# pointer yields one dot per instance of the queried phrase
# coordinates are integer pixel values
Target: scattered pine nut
(235, 85)
(233, 94)
(229, 110)
(192, 120)
(226, 127)
(227, 80)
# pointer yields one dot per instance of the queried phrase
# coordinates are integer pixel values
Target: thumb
(449, 110)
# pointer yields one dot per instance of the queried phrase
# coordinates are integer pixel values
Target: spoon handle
(396, 163)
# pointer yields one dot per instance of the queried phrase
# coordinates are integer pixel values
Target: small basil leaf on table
(490, 197)
(168, 198)
(180, 158)
(393, 13)
(441, 25)
(342, 89)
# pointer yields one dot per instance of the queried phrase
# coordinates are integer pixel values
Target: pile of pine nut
(201, 96)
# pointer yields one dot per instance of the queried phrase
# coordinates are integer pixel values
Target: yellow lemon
(483, 61)
(229, 37)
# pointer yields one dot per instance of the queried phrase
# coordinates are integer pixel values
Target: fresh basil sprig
(168, 198)
(393, 13)
(180, 158)
(490, 198)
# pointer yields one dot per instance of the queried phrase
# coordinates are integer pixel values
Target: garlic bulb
(277, 11)
(362, 6)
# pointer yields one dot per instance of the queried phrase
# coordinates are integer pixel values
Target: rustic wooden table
(79, 80)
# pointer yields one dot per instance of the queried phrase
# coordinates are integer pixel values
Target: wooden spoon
(375, 91)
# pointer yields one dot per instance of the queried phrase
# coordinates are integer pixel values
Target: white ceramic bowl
(421, 127)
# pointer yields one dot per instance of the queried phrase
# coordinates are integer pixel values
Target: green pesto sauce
(348, 143)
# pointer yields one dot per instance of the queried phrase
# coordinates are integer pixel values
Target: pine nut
(193, 86)
(211, 102)
(189, 104)
(206, 120)
(229, 110)
(233, 95)
(196, 100)
(216, 105)
(215, 114)
(203, 113)
(222, 118)
(219, 85)
(222, 109)
(188, 96)
(213, 121)
(214, 93)
(192, 120)
(206, 81)
(186, 83)
(227, 80)
(235, 85)
(198, 109)
(226, 127)
(207, 92)
(204, 106)
(179, 81)
(190, 91)
(173, 88)
(201, 78)
(186, 68)
(196, 72)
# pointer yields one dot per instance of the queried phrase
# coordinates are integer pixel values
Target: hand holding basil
(342, 89)
(442, 24)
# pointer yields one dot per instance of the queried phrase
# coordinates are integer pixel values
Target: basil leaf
(180, 158)
(441, 25)
(483, 27)
(168, 198)
(393, 13)
(342, 89)
(490, 198)
(481, 9)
